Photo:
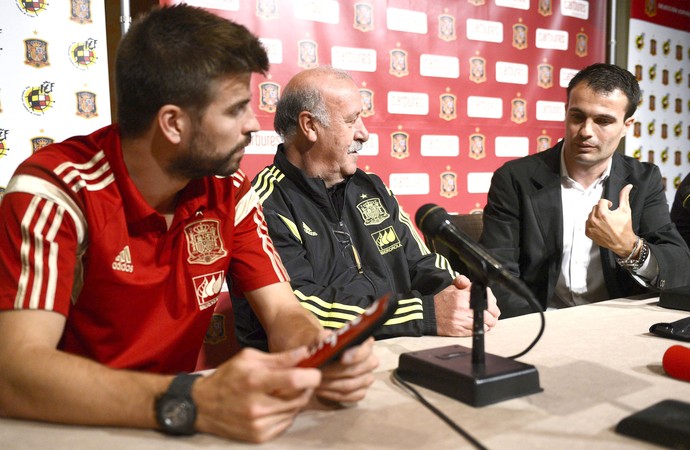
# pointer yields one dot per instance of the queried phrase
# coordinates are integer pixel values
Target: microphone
(676, 362)
(435, 222)
(469, 375)
(684, 194)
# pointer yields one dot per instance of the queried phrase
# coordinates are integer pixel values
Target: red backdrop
(500, 65)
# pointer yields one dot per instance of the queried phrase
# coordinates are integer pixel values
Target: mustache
(247, 140)
(355, 147)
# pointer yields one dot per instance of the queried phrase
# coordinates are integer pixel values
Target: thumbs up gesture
(612, 229)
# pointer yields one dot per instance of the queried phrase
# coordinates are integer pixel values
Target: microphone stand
(483, 379)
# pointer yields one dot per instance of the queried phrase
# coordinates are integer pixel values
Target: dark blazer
(523, 227)
(679, 215)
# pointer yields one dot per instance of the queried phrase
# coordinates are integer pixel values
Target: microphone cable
(457, 428)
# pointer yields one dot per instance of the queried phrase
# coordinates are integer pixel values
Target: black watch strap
(181, 385)
(175, 409)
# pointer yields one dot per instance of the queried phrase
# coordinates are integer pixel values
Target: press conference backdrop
(659, 56)
(452, 88)
(53, 75)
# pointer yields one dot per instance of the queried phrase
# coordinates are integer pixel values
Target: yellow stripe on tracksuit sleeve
(413, 310)
(265, 181)
(441, 262)
(291, 226)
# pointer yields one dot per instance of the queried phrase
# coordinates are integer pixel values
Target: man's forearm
(46, 384)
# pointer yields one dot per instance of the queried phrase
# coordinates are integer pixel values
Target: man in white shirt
(580, 223)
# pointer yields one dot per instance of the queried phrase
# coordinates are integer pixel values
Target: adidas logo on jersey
(123, 262)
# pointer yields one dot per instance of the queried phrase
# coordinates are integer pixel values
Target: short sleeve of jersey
(37, 254)
(255, 262)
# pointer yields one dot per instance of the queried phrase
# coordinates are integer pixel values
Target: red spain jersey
(81, 241)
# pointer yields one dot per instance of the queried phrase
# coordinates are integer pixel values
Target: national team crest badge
(364, 17)
(308, 54)
(446, 27)
(543, 143)
(269, 95)
(367, 102)
(215, 333)
(36, 53)
(204, 242)
(39, 142)
(520, 36)
(448, 106)
(477, 69)
(86, 105)
(398, 63)
(581, 47)
(477, 149)
(518, 110)
(399, 147)
(267, 9)
(449, 185)
(372, 211)
(545, 8)
(545, 75)
(650, 7)
(80, 11)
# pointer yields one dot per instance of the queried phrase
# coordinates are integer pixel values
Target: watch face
(177, 414)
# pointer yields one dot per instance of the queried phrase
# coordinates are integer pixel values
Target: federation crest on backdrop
(269, 95)
(446, 27)
(364, 17)
(367, 102)
(86, 104)
(36, 53)
(449, 184)
(447, 106)
(398, 63)
(477, 148)
(399, 147)
(267, 9)
(80, 11)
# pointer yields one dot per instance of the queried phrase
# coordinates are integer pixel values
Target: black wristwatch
(175, 409)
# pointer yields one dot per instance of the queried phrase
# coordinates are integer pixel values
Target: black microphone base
(450, 371)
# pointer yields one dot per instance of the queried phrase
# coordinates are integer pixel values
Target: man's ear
(307, 125)
(172, 122)
(627, 124)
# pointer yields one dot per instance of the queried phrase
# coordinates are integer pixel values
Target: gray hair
(299, 96)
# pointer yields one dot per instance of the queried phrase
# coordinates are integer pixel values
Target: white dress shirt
(581, 280)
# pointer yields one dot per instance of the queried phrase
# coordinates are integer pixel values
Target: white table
(597, 364)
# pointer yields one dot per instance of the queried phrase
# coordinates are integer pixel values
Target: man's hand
(454, 317)
(348, 379)
(612, 229)
(254, 396)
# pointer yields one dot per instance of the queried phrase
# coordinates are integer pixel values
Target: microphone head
(429, 218)
(676, 362)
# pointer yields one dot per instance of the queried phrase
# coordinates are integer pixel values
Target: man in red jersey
(116, 245)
